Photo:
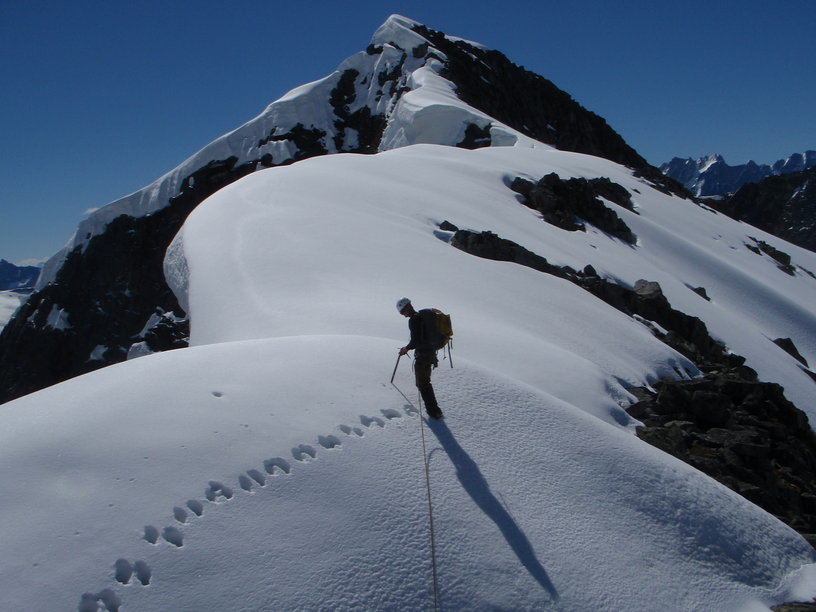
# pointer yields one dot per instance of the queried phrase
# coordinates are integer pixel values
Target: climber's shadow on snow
(479, 490)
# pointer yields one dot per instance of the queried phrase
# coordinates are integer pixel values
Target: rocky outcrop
(741, 432)
(795, 607)
(784, 206)
(572, 203)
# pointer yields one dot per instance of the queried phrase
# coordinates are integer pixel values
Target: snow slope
(536, 505)
(326, 246)
(271, 466)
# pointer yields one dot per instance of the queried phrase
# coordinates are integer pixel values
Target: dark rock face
(490, 246)
(108, 293)
(795, 607)
(741, 432)
(309, 142)
(17, 278)
(787, 345)
(528, 102)
(567, 204)
(369, 127)
(784, 206)
(475, 137)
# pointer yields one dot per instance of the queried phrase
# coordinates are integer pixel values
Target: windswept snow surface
(272, 467)
(313, 463)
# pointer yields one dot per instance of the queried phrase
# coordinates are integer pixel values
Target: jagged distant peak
(711, 175)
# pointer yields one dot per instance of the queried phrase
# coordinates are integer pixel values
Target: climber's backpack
(437, 329)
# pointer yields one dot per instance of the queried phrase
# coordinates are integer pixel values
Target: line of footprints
(126, 572)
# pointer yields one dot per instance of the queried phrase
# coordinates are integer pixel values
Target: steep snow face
(327, 245)
(378, 85)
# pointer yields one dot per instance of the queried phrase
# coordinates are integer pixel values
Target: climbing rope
(428, 490)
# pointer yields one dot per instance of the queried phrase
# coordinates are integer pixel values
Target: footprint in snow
(173, 536)
(217, 489)
(257, 477)
(151, 534)
(302, 451)
(143, 572)
(180, 514)
(367, 421)
(245, 482)
(277, 463)
(124, 571)
(329, 441)
(349, 430)
(195, 506)
(90, 602)
(390, 413)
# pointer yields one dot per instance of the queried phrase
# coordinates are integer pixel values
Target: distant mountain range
(17, 278)
(712, 176)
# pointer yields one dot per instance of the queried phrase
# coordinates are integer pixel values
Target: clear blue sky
(99, 98)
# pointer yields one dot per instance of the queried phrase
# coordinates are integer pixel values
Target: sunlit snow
(271, 465)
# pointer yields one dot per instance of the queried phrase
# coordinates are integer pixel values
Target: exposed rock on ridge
(568, 204)
(784, 206)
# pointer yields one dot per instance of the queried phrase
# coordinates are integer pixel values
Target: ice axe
(395, 368)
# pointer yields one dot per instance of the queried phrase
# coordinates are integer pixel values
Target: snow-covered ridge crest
(417, 104)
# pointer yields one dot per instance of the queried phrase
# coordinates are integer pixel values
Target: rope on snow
(428, 490)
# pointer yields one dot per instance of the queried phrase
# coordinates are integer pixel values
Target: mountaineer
(425, 341)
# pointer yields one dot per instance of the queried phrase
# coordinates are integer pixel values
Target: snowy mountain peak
(390, 96)
(398, 31)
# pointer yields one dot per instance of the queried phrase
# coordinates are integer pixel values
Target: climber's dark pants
(424, 362)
